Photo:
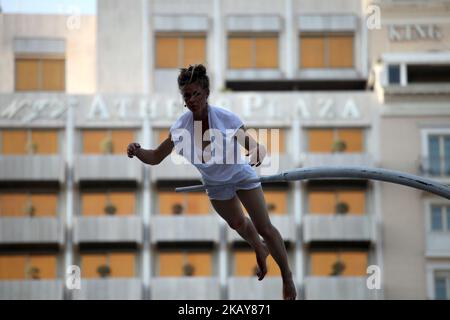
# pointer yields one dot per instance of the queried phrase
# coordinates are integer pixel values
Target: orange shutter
(46, 265)
(122, 265)
(240, 53)
(124, 202)
(93, 204)
(266, 52)
(197, 203)
(13, 204)
(46, 205)
(244, 263)
(170, 264)
(322, 263)
(201, 262)
(121, 139)
(312, 52)
(194, 50)
(320, 140)
(167, 52)
(355, 200)
(163, 134)
(46, 141)
(12, 267)
(353, 139)
(90, 264)
(92, 141)
(276, 202)
(322, 202)
(340, 51)
(27, 74)
(14, 142)
(53, 74)
(167, 201)
(355, 263)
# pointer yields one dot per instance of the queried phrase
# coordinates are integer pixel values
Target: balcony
(339, 288)
(185, 288)
(108, 229)
(278, 163)
(436, 168)
(246, 288)
(284, 223)
(25, 230)
(338, 228)
(336, 159)
(109, 289)
(185, 228)
(175, 167)
(438, 244)
(32, 168)
(107, 167)
(31, 290)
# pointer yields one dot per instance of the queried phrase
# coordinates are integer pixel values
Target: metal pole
(354, 172)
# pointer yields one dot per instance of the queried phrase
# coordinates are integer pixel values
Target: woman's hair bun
(198, 69)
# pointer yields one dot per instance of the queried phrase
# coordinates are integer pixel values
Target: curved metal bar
(354, 172)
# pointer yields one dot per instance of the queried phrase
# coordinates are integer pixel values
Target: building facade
(330, 83)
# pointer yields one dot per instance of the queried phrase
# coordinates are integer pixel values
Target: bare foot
(261, 256)
(289, 292)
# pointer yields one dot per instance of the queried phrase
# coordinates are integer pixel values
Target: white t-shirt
(223, 160)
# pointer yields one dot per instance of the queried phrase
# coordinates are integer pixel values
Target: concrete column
(290, 65)
(146, 212)
(219, 47)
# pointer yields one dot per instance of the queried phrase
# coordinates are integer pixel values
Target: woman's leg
(231, 212)
(253, 200)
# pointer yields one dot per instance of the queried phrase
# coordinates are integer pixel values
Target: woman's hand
(132, 148)
(257, 155)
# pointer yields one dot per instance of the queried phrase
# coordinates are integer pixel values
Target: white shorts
(228, 192)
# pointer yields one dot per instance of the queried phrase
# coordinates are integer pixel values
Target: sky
(49, 6)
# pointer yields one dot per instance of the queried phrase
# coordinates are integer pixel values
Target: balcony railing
(16, 230)
(339, 288)
(108, 229)
(438, 244)
(31, 290)
(185, 228)
(246, 288)
(31, 167)
(310, 159)
(109, 289)
(107, 167)
(185, 288)
(338, 228)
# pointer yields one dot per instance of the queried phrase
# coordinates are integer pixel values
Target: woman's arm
(151, 157)
(256, 151)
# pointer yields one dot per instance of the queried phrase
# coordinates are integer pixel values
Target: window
(340, 263)
(180, 50)
(428, 73)
(28, 266)
(245, 264)
(106, 141)
(335, 140)
(21, 142)
(28, 204)
(442, 285)
(440, 218)
(326, 51)
(40, 74)
(119, 203)
(350, 202)
(439, 155)
(276, 202)
(109, 264)
(273, 139)
(253, 51)
(394, 74)
(185, 264)
(172, 203)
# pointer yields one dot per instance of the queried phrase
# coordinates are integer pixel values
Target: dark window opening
(428, 73)
(394, 74)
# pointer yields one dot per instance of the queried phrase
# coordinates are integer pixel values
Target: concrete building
(333, 83)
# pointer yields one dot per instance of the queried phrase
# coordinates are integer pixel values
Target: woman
(193, 83)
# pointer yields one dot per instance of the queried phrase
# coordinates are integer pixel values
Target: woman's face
(195, 97)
